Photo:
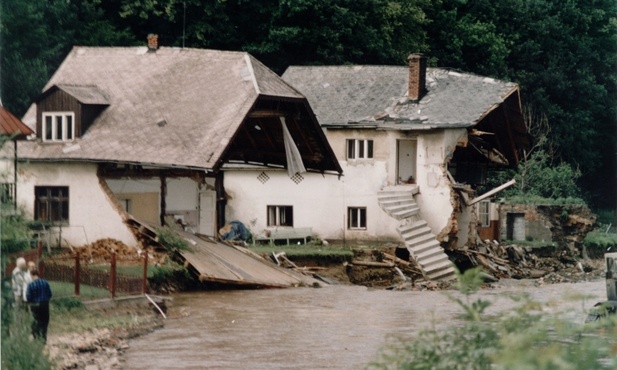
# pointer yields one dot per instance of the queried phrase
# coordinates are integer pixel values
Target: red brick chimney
(153, 42)
(417, 76)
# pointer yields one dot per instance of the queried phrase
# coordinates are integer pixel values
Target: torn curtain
(294, 160)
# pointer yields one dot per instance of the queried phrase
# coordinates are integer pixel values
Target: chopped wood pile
(102, 250)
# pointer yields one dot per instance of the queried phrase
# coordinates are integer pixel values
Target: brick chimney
(417, 76)
(153, 42)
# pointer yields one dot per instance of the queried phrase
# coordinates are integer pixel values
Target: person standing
(28, 277)
(38, 295)
(18, 280)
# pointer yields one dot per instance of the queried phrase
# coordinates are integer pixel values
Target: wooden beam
(266, 113)
(494, 191)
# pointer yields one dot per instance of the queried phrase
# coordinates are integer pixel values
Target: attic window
(58, 126)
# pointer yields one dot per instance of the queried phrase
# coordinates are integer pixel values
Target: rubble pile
(102, 250)
(521, 262)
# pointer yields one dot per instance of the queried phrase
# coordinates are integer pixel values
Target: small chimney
(417, 76)
(153, 42)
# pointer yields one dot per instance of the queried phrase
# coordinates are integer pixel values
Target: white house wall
(321, 202)
(92, 214)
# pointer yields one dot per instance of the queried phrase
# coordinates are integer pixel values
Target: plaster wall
(321, 202)
(92, 214)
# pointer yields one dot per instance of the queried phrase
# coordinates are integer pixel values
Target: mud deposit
(337, 327)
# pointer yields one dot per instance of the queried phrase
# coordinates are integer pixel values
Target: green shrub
(171, 241)
(67, 303)
(524, 337)
(598, 242)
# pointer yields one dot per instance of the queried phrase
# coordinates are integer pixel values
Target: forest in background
(563, 53)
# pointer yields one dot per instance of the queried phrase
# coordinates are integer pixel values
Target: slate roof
(376, 96)
(172, 107)
(11, 125)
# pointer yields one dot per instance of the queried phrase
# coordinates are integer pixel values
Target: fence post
(144, 280)
(77, 273)
(112, 285)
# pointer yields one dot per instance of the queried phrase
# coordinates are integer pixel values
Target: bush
(598, 242)
(67, 303)
(523, 338)
(171, 241)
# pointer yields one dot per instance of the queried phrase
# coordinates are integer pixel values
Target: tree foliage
(562, 53)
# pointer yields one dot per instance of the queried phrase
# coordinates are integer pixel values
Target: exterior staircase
(419, 240)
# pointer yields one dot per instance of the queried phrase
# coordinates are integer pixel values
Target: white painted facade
(85, 195)
(321, 202)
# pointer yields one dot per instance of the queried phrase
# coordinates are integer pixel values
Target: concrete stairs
(417, 236)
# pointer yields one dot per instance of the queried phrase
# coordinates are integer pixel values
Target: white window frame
(277, 216)
(64, 122)
(360, 218)
(359, 149)
(484, 213)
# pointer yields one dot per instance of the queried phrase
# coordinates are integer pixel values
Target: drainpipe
(221, 200)
(163, 196)
(15, 174)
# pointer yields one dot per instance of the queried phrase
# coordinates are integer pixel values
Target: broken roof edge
(249, 166)
(103, 161)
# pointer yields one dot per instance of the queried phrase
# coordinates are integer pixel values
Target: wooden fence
(69, 270)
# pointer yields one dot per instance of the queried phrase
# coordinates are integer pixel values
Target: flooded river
(336, 327)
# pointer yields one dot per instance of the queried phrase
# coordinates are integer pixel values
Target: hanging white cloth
(294, 160)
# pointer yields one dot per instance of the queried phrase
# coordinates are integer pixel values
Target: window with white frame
(359, 149)
(484, 207)
(58, 126)
(356, 218)
(280, 216)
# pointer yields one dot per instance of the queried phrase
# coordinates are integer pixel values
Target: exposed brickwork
(417, 76)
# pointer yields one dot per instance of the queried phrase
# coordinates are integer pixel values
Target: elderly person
(18, 280)
(28, 277)
(38, 295)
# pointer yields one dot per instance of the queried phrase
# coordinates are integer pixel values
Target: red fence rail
(70, 270)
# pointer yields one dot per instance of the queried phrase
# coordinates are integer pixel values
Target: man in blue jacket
(38, 295)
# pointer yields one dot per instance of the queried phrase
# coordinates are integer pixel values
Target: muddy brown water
(336, 327)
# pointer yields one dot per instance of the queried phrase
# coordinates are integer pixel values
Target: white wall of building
(92, 214)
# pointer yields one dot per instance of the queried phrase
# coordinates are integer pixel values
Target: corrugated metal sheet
(11, 125)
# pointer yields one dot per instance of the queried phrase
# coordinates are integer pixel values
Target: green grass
(312, 251)
(534, 199)
(133, 270)
(81, 319)
(600, 241)
(86, 292)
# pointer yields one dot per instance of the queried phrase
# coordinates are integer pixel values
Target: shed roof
(11, 125)
(368, 95)
(172, 107)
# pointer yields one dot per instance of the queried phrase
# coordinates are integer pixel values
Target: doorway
(406, 161)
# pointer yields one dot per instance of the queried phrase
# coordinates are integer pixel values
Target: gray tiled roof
(86, 94)
(376, 95)
(175, 107)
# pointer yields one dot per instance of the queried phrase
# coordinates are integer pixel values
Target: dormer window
(58, 126)
(65, 112)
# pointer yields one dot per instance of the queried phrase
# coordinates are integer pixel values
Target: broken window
(280, 216)
(356, 218)
(359, 149)
(51, 204)
(483, 213)
(58, 126)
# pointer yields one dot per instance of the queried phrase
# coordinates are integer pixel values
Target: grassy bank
(320, 253)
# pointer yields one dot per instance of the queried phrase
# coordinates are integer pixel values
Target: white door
(407, 150)
(207, 213)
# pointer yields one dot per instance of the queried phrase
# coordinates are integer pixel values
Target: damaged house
(413, 143)
(130, 136)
